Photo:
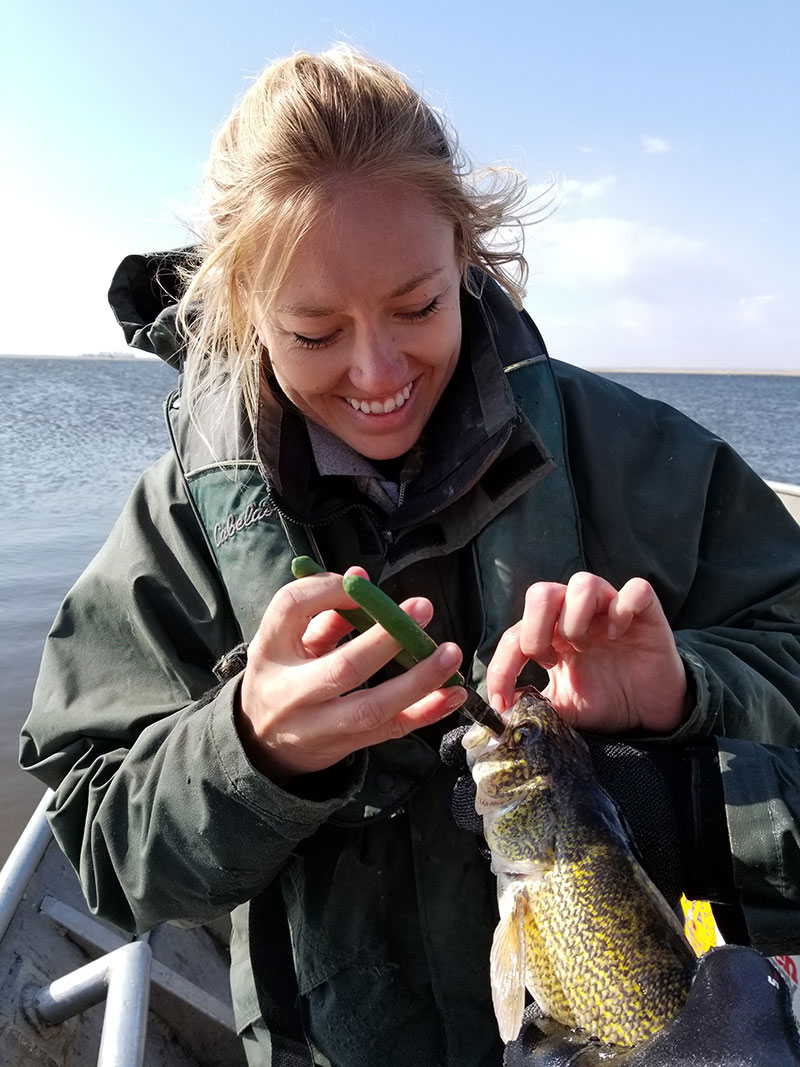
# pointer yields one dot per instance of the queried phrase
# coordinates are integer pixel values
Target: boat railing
(155, 974)
(790, 495)
(121, 977)
(22, 862)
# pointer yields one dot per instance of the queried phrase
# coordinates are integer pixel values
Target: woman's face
(364, 334)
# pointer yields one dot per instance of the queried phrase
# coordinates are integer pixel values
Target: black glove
(453, 754)
(738, 1014)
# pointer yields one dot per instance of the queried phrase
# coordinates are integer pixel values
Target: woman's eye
(423, 313)
(312, 342)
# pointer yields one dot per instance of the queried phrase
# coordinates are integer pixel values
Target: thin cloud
(583, 192)
(638, 317)
(610, 251)
(626, 293)
(752, 309)
(656, 146)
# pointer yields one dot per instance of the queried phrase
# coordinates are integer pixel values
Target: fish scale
(597, 936)
(582, 926)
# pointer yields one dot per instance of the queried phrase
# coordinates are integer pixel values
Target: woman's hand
(301, 706)
(610, 655)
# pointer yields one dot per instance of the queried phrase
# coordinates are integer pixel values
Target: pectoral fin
(507, 961)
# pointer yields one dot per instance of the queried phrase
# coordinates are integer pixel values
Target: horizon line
(594, 368)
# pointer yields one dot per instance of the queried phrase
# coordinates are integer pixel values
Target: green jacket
(531, 471)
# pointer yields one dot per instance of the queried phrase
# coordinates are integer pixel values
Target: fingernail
(497, 703)
(456, 698)
(613, 631)
(449, 656)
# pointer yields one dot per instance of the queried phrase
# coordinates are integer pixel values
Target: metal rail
(21, 864)
(122, 979)
(790, 495)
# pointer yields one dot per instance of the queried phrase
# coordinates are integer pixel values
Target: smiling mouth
(381, 407)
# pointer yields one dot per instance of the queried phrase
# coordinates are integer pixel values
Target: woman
(359, 385)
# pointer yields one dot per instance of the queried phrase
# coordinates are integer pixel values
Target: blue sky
(671, 128)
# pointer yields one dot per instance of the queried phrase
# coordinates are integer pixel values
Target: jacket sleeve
(671, 502)
(156, 804)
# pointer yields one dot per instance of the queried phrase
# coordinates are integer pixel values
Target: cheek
(302, 377)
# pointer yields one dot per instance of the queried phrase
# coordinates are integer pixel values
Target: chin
(378, 453)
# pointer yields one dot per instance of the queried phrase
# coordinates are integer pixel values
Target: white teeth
(381, 407)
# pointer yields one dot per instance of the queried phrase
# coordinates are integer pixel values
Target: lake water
(75, 435)
(759, 414)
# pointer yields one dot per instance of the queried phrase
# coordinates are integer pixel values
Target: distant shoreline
(137, 356)
(83, 355)
(696, 370)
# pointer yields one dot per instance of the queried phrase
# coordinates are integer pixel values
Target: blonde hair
(307, 123)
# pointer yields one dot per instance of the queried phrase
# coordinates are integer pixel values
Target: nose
(378, 366)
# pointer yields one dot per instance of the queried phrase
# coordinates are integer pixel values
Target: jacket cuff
(762, 804)
(293, 814)
(700, 717)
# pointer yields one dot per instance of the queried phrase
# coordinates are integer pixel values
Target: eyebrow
(317, 311)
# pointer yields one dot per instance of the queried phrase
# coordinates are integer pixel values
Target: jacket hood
(144, 295)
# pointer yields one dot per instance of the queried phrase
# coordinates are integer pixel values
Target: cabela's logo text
(253, 513)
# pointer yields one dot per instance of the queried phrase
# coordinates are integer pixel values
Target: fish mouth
(382, 405)
(478, 742)
(490, 775)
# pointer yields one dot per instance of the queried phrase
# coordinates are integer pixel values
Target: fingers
(424, 712)
(314, 733)
(301, 704)
(401, 704)
(290, 612)
(555, 616)
(302, 621)
(504, 668)
(325, 631)
(587, 598)
(352, 664)
(577, 614)
(560, 619)
(544, 606)
(637, 598)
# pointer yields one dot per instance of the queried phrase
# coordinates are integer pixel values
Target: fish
(582, 927)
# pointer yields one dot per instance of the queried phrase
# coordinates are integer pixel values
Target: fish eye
(527, 732)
